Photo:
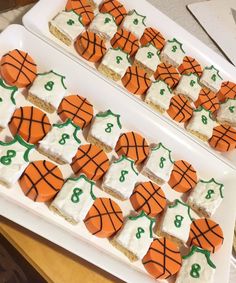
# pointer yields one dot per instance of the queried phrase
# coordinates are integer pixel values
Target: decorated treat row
(124, 49)
(156, 229)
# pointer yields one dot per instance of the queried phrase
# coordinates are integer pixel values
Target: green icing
(110, 113)
(138, 15)
(175, 41)
(217, 71)
(122, 175)
(75, 197)
(62, 77)
(178, 202)
(7, 159)
(122, 51)
(201, 108)
(122, 158)
(160, 145)
(13, 90)
(212, 180)
(195, 269)
(63, 125)
(109, 128)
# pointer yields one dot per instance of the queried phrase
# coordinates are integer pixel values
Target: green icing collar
(174, 40)
(13, 90)
(139, 15)
(155, 82)
(110, 113)
(123, 157)
(201, 108)
(212, 180)
(161, 145)
(62, 77)
(178, 202)
(213, 68)
(69, 122)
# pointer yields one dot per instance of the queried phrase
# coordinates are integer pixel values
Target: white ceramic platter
(36, 20)
(38, 218)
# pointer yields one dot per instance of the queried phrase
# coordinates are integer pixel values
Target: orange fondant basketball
(206, 234)
(136, 80)
(183, 177)
(223, 138)
(41, 181)
(227, 90)
(180, 109)
(91, 161)
(115, 8)
(90, 46)
(76, 108)
(30, 123)
(134, 146)
(151, 35)
(18, 68)
(126, 41)
(189, 66)
(104, 218)
(163, 259)
(148, 197)
(168, 74)
(82, 8)
(208, 100)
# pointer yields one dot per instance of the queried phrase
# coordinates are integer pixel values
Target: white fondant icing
(227, 112)
(134, 23)
(211, 79)
(148, 56)
(173, 53)
(104, 25)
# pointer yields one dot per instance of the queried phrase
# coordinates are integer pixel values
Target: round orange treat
(30, 123)
(223, 138)
(76, 108)
(163, 259)
(183, 177)
(148, 197)
(18, 68)
(151, 35)
(115, 8)
(90, 46)
(104, 218)
(91, 161)
(82, 8)
(136, 80)
(189, 66)
(180, 109)
(41, 181)
(126, 41)
(134, 146)
(206, 234)
(168, 74)
(227, 90)
(208, 100)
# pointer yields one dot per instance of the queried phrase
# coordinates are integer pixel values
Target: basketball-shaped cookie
(153, 36)
(168, 74)
(126, 41)
(208, 100)
(148, 197)
(136, 80)
(76, 108)
(41, 181)
(189, 66)
(115, 8)
(223, 138)
(82, 8)
(90, 46)
(18, 68)
(183, 177)
(206, 234)
(227, 90)
(134, 146)
(30, 123)
(91, 161)
(163, 259)
(180, 109)
(104, 219)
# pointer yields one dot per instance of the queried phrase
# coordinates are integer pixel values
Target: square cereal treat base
(145, 68)
(155, 107)
(98, 143)
(55, 210)
(59, 35)
(109, 73)
(199, 135)
(112, 193)
(53, 158)
(40, 103)
(132, 257)
(159, 233)
(200, 211)
(152, 177)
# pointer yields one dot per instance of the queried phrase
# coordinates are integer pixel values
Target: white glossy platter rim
(193, 47)
(36, 217)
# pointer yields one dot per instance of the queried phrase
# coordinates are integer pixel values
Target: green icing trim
(69, 122)
(139, 15)
(212, 180)
(109, 15)
(213, 68)
(192, 74)
(158, 52)
(201, 108)
(155, 82)
(19, 139)
(177, 202)
(161, 145)
(119, 49)
(12, 88)
(62, 77)
(207, 254)
(73, 12)
(82, 176)
(123, 157)
(143, 214)
(174, 40)
(110, 113)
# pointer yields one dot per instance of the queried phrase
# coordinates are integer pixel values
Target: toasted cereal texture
(106, 71)
(132, 257)
(98, 143)
(140, 65)
(58, 34)
(41, 103)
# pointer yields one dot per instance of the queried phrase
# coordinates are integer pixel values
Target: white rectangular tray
(36, 20)
(38, 218)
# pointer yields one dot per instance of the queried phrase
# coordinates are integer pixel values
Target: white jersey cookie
(227, 112)
(134, 23)
(14, 158)
(74, 199)
(62, 142)
(211, 78)
(121, 178)
(173, 53)
(7, 103)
